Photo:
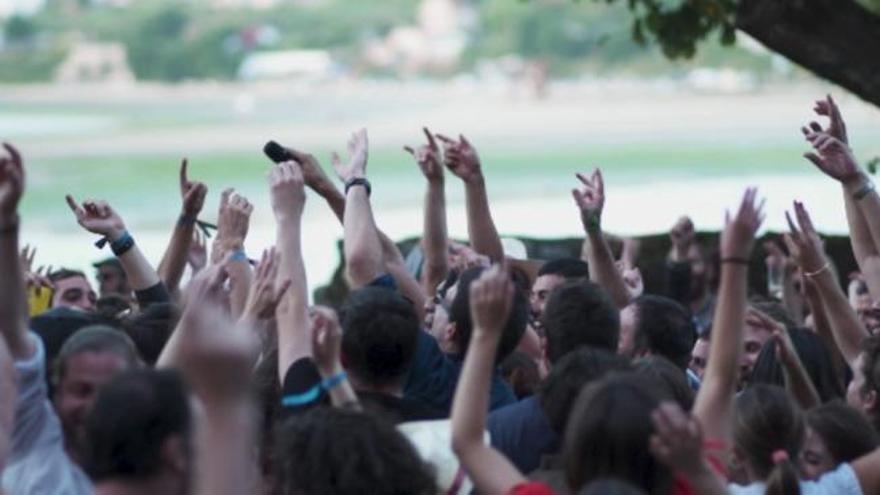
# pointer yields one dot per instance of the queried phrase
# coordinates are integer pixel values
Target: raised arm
(288, 200)
(713, 406)
(834, 158)
(217, 360)
(14, 309)
(435, 240)
(491, 301)
(590, 199)
(806, 248)
(462, 160)
(99, 218)
(174, 260)
(233, 223)
(363, 251)
(326, 343)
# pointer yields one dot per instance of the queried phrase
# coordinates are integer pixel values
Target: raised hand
(739, 232)
(682, 236)
(11, 185)
(266, 291)
(197, 255)
(217, 357)
(313, 174)
(804, 243)
(590, 198)
(326, 340)
(632, 278)
(834, 158)
(461, 159)
(234, 220)
(97, 217)
(428, 157)
(33, 278)
(356, 167)
(192, 193)
(677, 441)
(836, 126)
(491, 301)
(287, 190)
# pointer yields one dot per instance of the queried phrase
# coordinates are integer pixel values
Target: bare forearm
(363, 251)
(845, 325)
(799, 385)
(294, 341)
(138, 270)
(436, 240)
(481, 228)
(602, 268)
(225, 460)
(823, 328)
(174, 260)
(13, 312)
(240, 278)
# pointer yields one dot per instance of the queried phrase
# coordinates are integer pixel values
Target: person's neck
(153, 485)
(394, 389)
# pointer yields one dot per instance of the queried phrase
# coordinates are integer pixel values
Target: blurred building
(95, 62)
(20, 7)
(314, 65)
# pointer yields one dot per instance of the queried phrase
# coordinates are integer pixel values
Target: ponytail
(783, 479)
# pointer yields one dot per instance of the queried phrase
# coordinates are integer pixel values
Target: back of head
(332, 451)
(669, 376)
(608, 434)
(567, 268)
(775, 310)
(845, 432)
(460, 315)
(568, 377)
(664, 327)
(379, 333)
(133, 416)
(578, 314)
(95, 338)
(813, 354)
(768, 432)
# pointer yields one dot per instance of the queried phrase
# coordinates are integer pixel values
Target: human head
(437, 313)
(569, 376)
(88, 360)
(863, 392)
(72, 290)
(379, 332)
(754, 338)
(813, 355)
(579, 313)
(460, 317)
(657, 325)
(704, 270)
(671, 377)
(139, 429)
(700, 355)
(521, 373)
(335, 451)
(836, 433)
(111, 277)
(768, 433)
(608, 433)
(551, 275)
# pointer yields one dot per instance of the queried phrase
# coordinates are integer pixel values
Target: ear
(869, 400)
(450, 331)
(175, 455)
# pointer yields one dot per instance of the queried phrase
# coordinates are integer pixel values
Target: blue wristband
(307, 397)
(239, 255)
(334, 381)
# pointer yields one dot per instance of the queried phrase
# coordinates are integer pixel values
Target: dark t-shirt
(396, 409)
(523, 434)
(434, 375)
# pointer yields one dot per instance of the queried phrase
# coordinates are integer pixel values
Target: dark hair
(95, 338)
(608, 434)
(567, 268)
(65, 273)
(776, 311)
(871, 371)
(579, 313)
(460, 314)
(768, 421)
(334, 451)
(133, 416)
(845, 432)
(664, 327)
(813, 354)
(521, 373)
(610, 486)
(379, 333)
(569, 376)
(671, 377)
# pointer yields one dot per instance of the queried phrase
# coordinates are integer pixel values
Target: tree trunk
(838, 40)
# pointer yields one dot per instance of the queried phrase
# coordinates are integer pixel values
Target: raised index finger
(183, 166)
(431, 142)
(74, 207)
(14, 154)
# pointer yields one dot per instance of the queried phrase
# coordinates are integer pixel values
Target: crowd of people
(454, 368)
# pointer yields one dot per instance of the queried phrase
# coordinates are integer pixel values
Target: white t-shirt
(841, 481)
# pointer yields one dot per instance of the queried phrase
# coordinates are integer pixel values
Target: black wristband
(122, 245)
(359, 181)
